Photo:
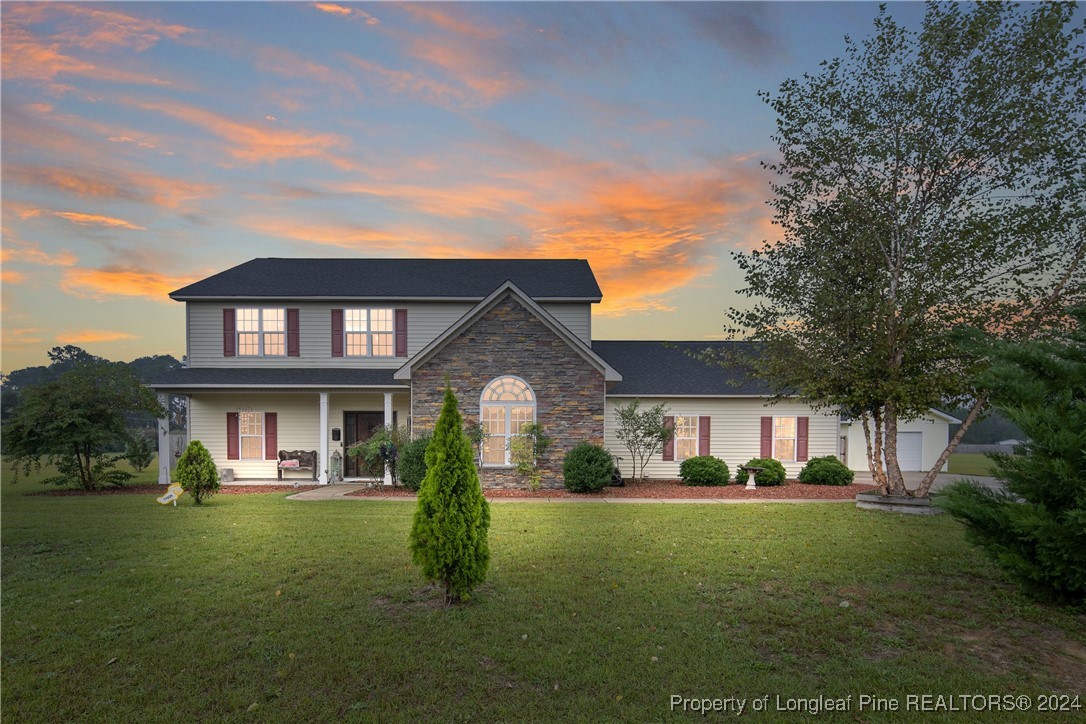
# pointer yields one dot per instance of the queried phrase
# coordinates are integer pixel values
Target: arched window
(507, 404)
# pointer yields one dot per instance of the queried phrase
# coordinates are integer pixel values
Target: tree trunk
(894, 478)
(876, 419)
(877, 476)
(970, 418)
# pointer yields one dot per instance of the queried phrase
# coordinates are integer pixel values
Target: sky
(148, 145)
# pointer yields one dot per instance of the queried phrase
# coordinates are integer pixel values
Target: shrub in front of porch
(772, 472)
(587, 468)
(413, 461)
(827, 470)
(704, 470)
(197, 473)
(449, 535)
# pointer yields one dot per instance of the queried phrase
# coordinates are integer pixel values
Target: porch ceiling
(286, 377)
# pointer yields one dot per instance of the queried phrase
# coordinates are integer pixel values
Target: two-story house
(313, 354)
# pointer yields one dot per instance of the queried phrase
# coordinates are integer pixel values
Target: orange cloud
(90, 182)
(291, 65)
(355, 237)
(335, 9)
(431, 13)
(21, 338)
(97, 220)
(30, 253)
(7, 276)
(92, 27)
(416, 85)
(249, 143)
(121, 281)
(92, 335)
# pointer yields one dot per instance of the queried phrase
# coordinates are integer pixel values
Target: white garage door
(909, 450)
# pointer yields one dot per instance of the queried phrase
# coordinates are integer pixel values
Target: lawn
(969, 464)
(259, 608)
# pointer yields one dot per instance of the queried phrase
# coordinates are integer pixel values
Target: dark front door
(358, 427)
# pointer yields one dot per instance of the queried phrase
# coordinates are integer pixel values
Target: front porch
(244, 430)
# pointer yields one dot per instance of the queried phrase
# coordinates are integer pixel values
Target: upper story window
(507, 405)
(261, 332)
(686, 436)
(368, 332)
(784, 439)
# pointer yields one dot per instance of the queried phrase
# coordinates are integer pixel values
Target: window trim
(696, 437)
(507, 406)
(369, 333)
(794, 438)
(259, 332)
(242, 435)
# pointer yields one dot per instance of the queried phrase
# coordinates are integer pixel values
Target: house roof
(447, 279)
(655, 368)
(293, 377)
(509, 289)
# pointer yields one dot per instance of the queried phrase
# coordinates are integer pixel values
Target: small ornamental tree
(449, 535)
(642, 432)
(587, 468)
(1036, 529)
(382, 449)
(139, 449)
(197, 473)
(527, 449)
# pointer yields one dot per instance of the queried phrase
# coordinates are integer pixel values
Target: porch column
(322, 464)
(164, 441)
(388, 421)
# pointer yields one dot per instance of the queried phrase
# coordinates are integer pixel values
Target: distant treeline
(988, 431)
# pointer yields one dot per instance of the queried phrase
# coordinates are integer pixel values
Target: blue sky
(146, 145)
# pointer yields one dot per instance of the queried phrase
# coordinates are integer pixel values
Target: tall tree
(930, 181)
(73, 420)
(449, 535)
(1036, 529)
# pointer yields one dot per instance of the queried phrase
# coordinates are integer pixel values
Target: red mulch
(662, 489)
(149, 488)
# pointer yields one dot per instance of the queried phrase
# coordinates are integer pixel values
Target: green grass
(969, 464)
(260, 608)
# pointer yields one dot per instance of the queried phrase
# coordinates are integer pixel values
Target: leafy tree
(1036, 528)
(382, 449)
(140, 450)
(197, 473)
(449, 535)
(73, 420)
(527, 449)
(643, 433)
(930, 181)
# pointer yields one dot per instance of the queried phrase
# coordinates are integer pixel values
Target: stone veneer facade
(510, 340)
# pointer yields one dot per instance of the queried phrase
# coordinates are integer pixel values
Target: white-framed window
(686, 436)
(262, 332)
(251, 435)
(368, 332)
(506, 405)
(784, 439)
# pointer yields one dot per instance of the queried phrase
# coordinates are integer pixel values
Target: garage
(910, 450)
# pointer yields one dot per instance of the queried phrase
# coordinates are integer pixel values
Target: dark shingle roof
(273, 377)
(397, 278)
(667, 368)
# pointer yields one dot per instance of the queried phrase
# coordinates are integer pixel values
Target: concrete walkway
(340, 491)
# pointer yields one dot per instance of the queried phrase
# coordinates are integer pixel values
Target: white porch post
(164, 441)
(322, 464)
(388, 421)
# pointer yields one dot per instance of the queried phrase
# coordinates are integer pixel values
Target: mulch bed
(156, 489)
(662, 489)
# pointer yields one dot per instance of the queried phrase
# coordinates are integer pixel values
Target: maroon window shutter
(767, 437)
(294, 348)
(669, 447)
(337, 332)
(801, 439)
(401, 332)
(233, 439)
(271, 436)
(703, 435)
(229, 338)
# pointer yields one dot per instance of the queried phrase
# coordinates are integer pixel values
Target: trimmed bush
(704, 470)
(413, 461)
(587, 468)
(197, 473)
(773, 474)
(826, 470)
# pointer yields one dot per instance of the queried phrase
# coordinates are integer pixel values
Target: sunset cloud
(97, 220)
(122, 281)
(31, 253)
(88, 336)
(355, 237)
(93, 27)
(9, 276)
(345, 12)
(92, 182)
(417, 85)
(288, 64)
(26, 338)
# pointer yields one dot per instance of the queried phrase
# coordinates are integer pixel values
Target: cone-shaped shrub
(449, 536)
(196, 472)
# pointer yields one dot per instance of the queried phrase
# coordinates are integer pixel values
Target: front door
(358, 427)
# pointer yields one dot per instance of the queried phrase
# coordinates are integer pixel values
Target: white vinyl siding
(734, 430)
(425, 322)
(297, 423)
